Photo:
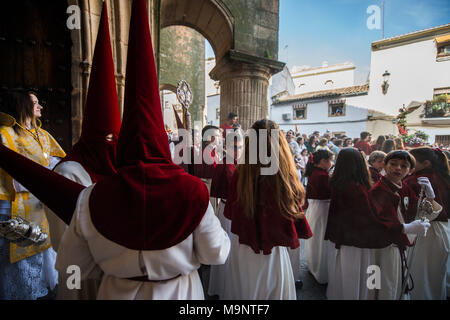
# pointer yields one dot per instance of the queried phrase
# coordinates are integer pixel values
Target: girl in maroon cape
(355, 229)
(266, 217)
(428, 269)
(397, 203)
(318, 195)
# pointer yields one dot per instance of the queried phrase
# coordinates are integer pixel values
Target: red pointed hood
(142, 136)
(55, 191)
(101, 112)
(151, 203)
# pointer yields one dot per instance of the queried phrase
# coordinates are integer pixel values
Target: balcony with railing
(437, 111)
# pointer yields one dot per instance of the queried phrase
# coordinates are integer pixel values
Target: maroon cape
(221, 180)
(269, 228)
(353, 221)
(318, 186)
(386, 198)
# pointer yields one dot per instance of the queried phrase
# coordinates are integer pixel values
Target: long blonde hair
(288, 192)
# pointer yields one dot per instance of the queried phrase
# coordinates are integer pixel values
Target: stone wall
(256, 26)
(182, 56)
(83, 44)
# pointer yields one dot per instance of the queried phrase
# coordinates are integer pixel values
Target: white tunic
(252, 276)
(428, 267)
(75, 172)
(295, 257)
(316, 248)
(348, 273)
(84, 246)
(217, 273)
(390, 264)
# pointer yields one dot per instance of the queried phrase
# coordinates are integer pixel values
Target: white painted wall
(168, 98)
(213, 103)
(353, 123)
(342, 75)
(210, 89)
(415, 74)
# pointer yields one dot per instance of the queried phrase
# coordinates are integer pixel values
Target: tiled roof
(411, 35)
(348, 91)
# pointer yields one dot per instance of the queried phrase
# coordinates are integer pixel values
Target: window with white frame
(336, 108)
(300, 111)
(443, 47)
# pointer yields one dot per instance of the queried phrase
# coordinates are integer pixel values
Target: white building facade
(212, 90)
(307, 79)
(339, 111)
(418, 69)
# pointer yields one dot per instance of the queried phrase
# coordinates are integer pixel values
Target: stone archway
(245, 43)
(209, 17)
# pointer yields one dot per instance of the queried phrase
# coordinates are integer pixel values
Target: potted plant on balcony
(438, 107)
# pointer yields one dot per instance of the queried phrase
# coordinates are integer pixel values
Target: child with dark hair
(388, 146)
(428, 268)
(356, 229)
(397, 203)
(379, 143)
(318, 196)
(376, 159)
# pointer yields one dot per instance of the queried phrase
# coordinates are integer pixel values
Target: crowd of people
(139, 226)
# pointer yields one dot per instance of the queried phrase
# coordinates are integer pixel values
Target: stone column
(243, 86)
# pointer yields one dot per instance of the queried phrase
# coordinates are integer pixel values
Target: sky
(336, 31)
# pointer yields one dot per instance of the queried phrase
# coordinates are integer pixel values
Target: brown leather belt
(146, 279)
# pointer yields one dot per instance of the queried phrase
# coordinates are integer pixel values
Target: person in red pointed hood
(95, 151)
(92, 158)
(149, 226)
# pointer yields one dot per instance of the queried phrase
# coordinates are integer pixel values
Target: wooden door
(35, 54)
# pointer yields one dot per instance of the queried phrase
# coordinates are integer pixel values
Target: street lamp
(385, 85)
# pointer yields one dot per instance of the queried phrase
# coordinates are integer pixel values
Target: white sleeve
(75, 172)
(74, 249)
(211, 242)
